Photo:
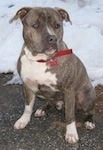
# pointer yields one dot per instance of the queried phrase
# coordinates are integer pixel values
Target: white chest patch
(36, 71)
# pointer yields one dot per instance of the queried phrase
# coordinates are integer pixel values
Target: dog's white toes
(21, 123)
(59, 105)
(71, 133)
(89, 125)
(39, 113)
(71, 138)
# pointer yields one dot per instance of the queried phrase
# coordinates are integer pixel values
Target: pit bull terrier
(52, 71)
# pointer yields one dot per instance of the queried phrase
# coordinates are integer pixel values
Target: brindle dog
(49, 69)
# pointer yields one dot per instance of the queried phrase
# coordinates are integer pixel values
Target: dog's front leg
(71, 131)
(29, 102)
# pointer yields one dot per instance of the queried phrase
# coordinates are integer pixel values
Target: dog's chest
(34, 73)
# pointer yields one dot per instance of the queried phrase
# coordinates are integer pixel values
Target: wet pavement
(45, 133)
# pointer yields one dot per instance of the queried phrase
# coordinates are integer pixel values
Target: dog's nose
(51, 39)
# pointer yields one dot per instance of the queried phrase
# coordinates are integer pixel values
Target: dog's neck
(58, 54)
(42, 58)
(30, 56)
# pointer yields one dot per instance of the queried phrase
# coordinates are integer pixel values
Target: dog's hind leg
(43, 110)
(88, 105)
(29, 102)
(89, 123)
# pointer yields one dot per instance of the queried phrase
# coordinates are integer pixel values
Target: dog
(52, 71)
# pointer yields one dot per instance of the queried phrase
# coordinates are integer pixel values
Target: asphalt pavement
(45, 133)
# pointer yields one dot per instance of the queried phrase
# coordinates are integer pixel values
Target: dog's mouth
(51, 51)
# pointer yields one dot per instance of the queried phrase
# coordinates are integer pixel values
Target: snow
(84, 36)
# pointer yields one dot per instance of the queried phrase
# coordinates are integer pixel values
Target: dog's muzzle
(52, 41)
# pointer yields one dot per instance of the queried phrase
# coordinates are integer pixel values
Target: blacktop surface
(45, 133)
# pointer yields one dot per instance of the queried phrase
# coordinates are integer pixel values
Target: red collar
(58, 54)
(64, 52)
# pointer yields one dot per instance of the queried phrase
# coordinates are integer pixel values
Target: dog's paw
(21, 123)
(71, 138)
(39, 113)
(89, 125)
(59, 105)
(71, 134)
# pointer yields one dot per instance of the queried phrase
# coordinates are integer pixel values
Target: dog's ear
(20, 14)
(64, 14)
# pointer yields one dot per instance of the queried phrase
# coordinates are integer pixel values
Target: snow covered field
(84, 36)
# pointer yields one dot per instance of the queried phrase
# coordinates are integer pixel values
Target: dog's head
(42, 28)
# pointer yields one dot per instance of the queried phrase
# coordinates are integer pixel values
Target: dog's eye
(57, 25)
(35, 25)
